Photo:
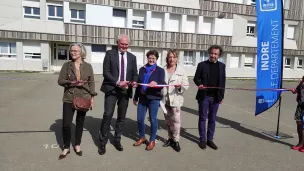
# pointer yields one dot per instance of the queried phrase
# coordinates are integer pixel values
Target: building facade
(35, 34)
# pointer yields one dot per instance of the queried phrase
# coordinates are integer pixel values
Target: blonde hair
(174, 52)
(83, 52)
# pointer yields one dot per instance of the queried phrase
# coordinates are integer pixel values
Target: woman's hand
(74, 83)
(81, 83)
(135, 102)
(293, 91)
(92, 102)
(177, 86)
(152, 84)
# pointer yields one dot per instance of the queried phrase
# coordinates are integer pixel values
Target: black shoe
(212, 145)
(202, 145)
(79, 153)
(118, 146)
(102, 150)
(176, 146)
(168, 143)
(62, 156)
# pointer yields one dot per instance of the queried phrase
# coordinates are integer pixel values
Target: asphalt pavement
(30, 132)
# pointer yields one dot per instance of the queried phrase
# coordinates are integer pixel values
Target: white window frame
(294, 29)
(298, 65)
(31, 55)
(32, 15)
(251, 25)
(8, 55)
(188, 62)
(77, 20)
(56, 18)
(138, 25)
(247, 64)
(285, 63)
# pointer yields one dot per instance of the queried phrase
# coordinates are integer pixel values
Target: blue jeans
(153, 106)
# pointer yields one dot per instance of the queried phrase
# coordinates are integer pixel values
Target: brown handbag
(81, 104)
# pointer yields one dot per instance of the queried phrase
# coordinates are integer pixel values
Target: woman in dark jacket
(148, 97)
(77, 78)
(299, 114)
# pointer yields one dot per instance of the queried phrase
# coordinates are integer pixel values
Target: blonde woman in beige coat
(173, 97)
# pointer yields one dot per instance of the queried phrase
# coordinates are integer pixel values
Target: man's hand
(134, 84)
(201, 87)
(222, 101)
(152, 84)
(123, 84)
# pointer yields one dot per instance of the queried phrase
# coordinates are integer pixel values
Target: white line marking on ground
(252, 114)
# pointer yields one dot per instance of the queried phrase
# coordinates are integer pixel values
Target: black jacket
(111, 71)
(202, 77)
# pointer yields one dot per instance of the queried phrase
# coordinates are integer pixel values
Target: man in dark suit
(209, 73)
(120, 76)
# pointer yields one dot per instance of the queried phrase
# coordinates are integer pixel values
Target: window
(204, 56)
(300, 63)
(32, 50)
(31, 12)
(287, 63)
(119, 13)
(189, 58)
(234, 61)
(248, 62)
(32, 55)
(98, 53)
(77, 16)
(250, 29)
(138, 19)
(8, 49)
(119, 18)
(98, 48)
(55, 12)
(138, 24)
(290, 32)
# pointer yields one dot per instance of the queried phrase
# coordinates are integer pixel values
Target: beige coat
(175, 95)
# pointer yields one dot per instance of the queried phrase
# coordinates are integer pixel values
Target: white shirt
(125, 65)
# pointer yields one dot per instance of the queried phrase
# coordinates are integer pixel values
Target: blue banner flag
(269, 52)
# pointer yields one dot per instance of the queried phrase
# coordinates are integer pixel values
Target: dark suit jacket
(158, 75)
(202, 77)
(111, 71)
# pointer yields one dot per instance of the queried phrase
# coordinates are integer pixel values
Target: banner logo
(268, 5)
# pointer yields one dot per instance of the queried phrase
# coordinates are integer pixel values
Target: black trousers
(68, 113)
(122, 99)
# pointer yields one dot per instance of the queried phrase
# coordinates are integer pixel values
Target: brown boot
(140, 141)
(150, 146)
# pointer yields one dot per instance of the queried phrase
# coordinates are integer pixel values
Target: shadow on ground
(237, 126)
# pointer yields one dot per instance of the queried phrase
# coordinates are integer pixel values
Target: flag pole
(282, 70)
(279, 114)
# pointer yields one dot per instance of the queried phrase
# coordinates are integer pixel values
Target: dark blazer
(111, 71)
(158, 75)
(202, 77)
